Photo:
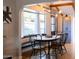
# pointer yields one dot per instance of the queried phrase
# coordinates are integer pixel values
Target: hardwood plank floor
(68, 55)
(70, 52)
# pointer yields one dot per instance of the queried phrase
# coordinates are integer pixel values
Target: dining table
(48, 40)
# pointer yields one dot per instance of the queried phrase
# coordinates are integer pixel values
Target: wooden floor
(68, 55)
(70, 52)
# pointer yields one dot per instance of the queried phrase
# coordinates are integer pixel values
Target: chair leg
(44, 51)
(65, 48)
(61, 50)
(31, 54)
(55, 54)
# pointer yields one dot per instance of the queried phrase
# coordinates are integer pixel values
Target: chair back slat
(65, 37)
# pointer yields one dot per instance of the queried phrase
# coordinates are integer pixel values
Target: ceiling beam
(62, 4)
(57, 8)
(73, 6)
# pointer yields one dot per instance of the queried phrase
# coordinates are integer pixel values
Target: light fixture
(67, 17)
(60, 12)
(56, 15)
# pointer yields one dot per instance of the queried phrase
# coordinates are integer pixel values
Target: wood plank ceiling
(55, 7)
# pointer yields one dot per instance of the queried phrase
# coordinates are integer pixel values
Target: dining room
(40, 29)
(52, 23)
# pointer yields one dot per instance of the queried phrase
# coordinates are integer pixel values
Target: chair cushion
(24, 40)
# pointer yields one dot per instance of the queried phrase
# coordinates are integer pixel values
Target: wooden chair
(60, 44)
(36, 46)
(63, 42)
(55, 47)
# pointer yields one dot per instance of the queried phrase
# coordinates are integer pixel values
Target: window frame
(38, 20)
(53, 24)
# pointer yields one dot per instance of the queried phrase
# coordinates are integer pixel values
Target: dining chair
(36, 45)
(63, 42)
(43, 34)
(60, 44)
(55, 47)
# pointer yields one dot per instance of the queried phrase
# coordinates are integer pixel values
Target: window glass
(32, 23)
(42, 23)
(52, 24)
(29, 23)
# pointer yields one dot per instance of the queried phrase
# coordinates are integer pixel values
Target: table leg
(40, 50)
(48, 50)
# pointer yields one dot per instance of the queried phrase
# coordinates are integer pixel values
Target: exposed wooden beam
(62, 4)
(73, 6)
(57, 8)
(52, 15)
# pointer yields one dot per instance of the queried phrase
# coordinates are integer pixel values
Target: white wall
(59, 23)
(11, 42)
(48, 24)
